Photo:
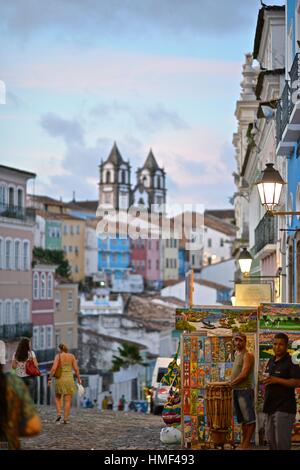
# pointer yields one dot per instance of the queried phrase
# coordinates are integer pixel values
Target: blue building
(288, 142)
(114, 256)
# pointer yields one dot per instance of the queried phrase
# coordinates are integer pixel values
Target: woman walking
(17, 413)
(19, 360)
(65, 387)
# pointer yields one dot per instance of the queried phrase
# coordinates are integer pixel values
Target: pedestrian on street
(104, 403)
(65, 385)
(19, 360)
(121, 404)
(17, 413)
(242, 382)
(281, 379)
(110, 402)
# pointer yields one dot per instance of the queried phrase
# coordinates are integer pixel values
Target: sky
(160, 74)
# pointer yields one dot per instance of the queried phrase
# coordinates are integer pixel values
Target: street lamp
(245, 261)
(269, 187)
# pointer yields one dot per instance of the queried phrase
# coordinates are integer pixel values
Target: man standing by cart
(242, 382)
(281, 378)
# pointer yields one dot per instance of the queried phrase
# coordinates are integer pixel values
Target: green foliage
(129, 354)
(54, 257)
(185, 325)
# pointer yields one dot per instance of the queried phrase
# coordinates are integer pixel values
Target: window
(167, 263)
(149, 263)
(221, 242)
(8, 313)
(57, 300)
(25, 313)
(76, 269)
(35, 342)
(25, 255)
(104, 257)
(42, 338)
(3, 195)
(17, 255)
(57, 338)
(43, 286)
(65, 230)
(209, 260)
(36, 286)
(48, 337)
(149, 244)
(123, 177)
(114, 258)
(70, 338)
(11, 196)
(157, 264)
(17, 316)
(70, 249)
(1, 313)
(1, 253)
(108, 177)
(124, 258)
(50, 286)
(167, 243)
(76, 250)
(8, 254)
(157, 245)
(70, 300)
(20, 198)
(175, 263)
(209, 243)
(65, 249)
(71, 230)
(78, 229)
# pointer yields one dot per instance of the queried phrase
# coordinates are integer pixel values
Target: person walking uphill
(280, 402)
(242, 380)
(65, 387)
(19, 360)
(18, 416)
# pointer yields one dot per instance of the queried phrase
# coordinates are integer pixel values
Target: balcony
(265, 236)
(14, 332)
(288, 113)
(45, 355)
(26, 214)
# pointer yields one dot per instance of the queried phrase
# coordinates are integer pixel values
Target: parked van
(159, 392)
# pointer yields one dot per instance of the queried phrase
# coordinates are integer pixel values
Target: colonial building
(16, 243)
(288, 135)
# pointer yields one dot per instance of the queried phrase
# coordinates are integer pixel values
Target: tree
(53, 257)
(129, 354)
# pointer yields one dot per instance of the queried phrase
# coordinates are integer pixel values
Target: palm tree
(129, 354)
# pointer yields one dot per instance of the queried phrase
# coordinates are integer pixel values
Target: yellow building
(73, 245)
(66, 313)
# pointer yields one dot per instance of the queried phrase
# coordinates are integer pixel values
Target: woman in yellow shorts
(65, 385)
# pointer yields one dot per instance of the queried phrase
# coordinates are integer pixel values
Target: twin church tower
(115, 189)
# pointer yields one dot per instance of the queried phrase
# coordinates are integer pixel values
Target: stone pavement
(95, 429)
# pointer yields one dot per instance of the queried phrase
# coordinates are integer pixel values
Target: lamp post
(245, 261)
(269, 187)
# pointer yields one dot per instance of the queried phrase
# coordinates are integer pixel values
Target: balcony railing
(289, 98)
(265, 232)
(45, 355)
(17, 212)
(295, 80)
(13, 332)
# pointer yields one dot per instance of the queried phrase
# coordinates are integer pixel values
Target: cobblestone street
(95, 429)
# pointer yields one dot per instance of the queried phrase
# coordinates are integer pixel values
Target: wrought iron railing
(279, 129)
(13, 332)
(45, 355)
(265, 232)
(295, 81)
(17, 212)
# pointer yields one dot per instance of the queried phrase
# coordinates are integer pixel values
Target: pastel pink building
(146, 260)
(16, 243)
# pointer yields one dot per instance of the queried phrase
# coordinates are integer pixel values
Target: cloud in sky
(129, 16)
(150, 119)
